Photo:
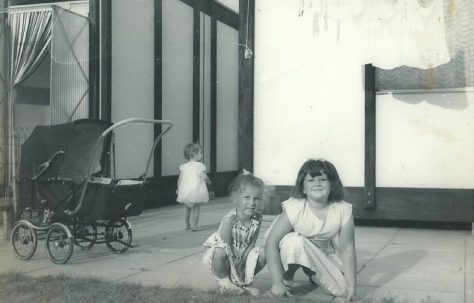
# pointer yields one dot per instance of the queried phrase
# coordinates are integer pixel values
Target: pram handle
(102, 137)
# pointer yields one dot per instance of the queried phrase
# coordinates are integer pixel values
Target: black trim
(106, 59)
(217, 10)
(414, 224)
(161, 191)
(100, 59)
(29, 2)
(213, 121)
(158, 102)
(196, 72)
(399, 204)
(94, 55)
(246, 87)
(370, 153)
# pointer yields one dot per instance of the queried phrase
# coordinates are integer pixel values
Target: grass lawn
(17, 287)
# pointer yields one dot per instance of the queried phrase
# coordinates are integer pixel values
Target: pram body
(67, 195)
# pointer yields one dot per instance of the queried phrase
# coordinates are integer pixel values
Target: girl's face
(247, 199)
(198, 156)
(317, 188)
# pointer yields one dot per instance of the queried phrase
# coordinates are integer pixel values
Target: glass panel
(69, 67)
(227, 97)
(177, 82)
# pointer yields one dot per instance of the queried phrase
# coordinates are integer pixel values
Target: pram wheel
(118, 236)
(24, 241)
(85, 235)
(59, 246)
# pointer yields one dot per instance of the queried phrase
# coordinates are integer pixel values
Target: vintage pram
(67, 195)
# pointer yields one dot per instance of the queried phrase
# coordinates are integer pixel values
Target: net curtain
(385, 33)
(29, 36)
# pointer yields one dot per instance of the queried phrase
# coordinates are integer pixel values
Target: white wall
(425, 140)
(132, 82)
(309, 102)
(309, 99)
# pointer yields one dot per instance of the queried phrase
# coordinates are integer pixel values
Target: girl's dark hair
(245, 180)
(191, 150)
(315, 167)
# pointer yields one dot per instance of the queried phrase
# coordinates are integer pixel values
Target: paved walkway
(411, 264)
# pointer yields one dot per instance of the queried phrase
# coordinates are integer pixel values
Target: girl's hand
(278, 289)
(351, 298)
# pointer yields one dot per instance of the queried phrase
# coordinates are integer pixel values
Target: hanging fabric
(30, 36)
(385, 33)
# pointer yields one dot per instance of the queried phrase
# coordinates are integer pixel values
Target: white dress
(314, 242)
(192, 187)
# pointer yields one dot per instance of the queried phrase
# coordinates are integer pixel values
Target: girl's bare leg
(187, 215)
(195, 217)
(290, 273)
(262, 260)
(220, 263)
(221, 268)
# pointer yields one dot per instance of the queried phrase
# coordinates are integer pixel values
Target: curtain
(30, 36)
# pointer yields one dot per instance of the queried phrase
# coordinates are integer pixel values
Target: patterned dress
(242, 239)
(313, 242)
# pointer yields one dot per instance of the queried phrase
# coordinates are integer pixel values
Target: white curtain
(386, 33)
(29, 39)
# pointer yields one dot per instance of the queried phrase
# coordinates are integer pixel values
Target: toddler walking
(192, 189)
(230, 252)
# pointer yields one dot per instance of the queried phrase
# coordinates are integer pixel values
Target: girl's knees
(219, 254)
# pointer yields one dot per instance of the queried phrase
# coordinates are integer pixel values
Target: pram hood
(77, 139)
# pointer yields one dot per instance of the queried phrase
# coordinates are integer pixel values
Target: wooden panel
(400, 204)
(217, 10)
(158, 99)
(106, 60)
(213, 167)
(100, 59)
(246, 86)
(28, 2)
(161, 191)
(370, 132)
(94, 54)
(196, 71)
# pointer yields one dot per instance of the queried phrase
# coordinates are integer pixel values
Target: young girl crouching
(230, 252)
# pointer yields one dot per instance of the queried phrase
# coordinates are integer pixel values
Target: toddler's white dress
(314, 243)
(192, 187)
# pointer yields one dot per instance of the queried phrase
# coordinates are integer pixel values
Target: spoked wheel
(118, 236)
(85, 235)
(59, 246)
(24, 241)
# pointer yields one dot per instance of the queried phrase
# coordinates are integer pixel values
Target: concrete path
(411, 264)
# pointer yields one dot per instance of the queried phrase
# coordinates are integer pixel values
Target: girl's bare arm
(225, 229)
